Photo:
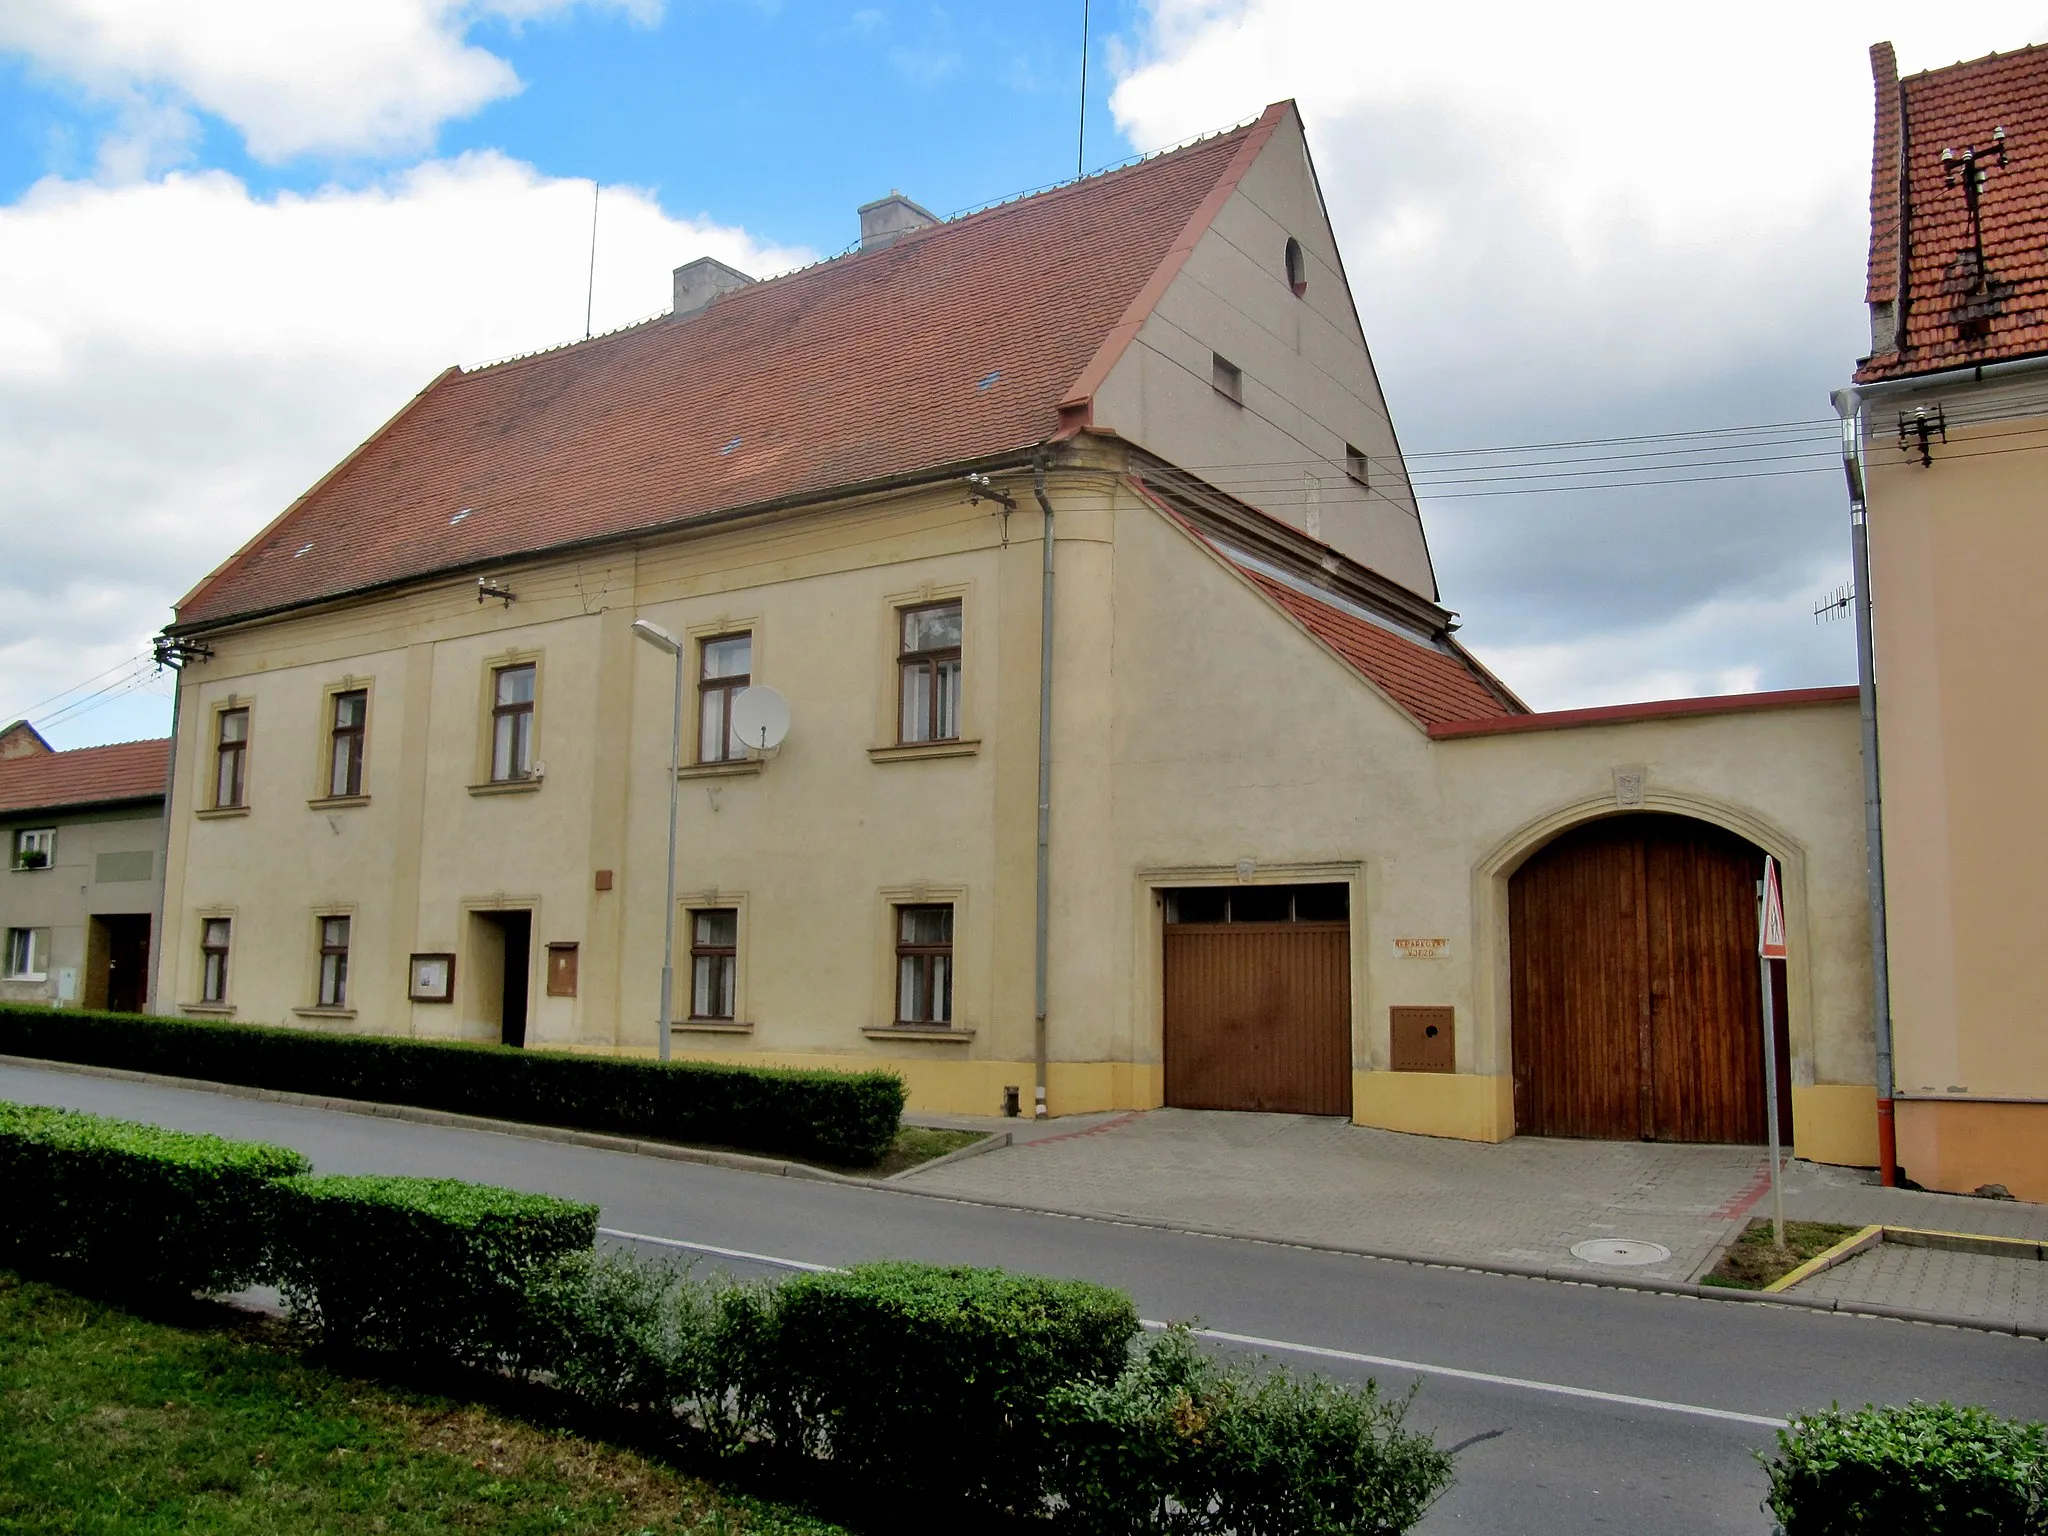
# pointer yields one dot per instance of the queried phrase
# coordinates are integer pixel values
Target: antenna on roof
(1081, 147)
(590, 289)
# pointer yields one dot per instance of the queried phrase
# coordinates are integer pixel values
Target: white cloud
(179, 358)
(293, 76)
(1581, 221)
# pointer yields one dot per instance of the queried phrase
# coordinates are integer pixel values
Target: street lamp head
(657, 637)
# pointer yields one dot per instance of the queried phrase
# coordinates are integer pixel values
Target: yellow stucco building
(1098, 778)
(1948, 436)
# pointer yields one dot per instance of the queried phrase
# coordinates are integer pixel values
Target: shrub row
(968, 1389)
(135, 1208)
(1930, 1468)
(849, 1118)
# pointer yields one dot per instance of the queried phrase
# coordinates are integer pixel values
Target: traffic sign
(1770, 939)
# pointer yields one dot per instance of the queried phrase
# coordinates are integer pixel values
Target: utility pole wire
(1081, 147)
(590, 290)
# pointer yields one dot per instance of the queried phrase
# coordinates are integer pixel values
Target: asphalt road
(1579, 1408)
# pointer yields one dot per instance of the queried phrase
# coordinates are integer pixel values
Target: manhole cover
(1620, 1250)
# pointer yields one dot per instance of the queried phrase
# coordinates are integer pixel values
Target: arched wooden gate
(1635, 985)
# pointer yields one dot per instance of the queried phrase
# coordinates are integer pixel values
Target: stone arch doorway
(1635, 991)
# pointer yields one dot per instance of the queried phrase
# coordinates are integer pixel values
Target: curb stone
(747, 1163)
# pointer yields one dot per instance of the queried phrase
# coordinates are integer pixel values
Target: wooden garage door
(1636, 1011)
(1258, 1016)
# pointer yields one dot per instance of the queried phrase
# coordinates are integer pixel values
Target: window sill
(733, 769)
(30, 869)
(913, 751)
(336, 802)
(220, 812)
(28, 979)
(506, 787)
(709, 1027)
(219, 1008)
(325, 1013)
(917, 1032)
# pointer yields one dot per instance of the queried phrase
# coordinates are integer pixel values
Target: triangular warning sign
(1770, 939)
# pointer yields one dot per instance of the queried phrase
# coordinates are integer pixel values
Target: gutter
(1977, 373)
(159, 955)
(1043, 906)
(1849, 405)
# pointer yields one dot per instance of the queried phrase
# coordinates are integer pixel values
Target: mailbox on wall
(1422, 1039)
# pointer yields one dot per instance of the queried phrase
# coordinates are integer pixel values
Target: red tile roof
(125, 771)
(1947, 318)
(954, 343)
(1428, 684)
(1654, 709)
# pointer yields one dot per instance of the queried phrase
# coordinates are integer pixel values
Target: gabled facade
(1950, 412)
(423, 761)
(81, 833)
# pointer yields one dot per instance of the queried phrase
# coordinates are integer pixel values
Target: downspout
(158, 956)
(1849, 406)
(1044, 778)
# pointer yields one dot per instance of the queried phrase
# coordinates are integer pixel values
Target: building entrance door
(500, 969)
(1635, 988)
(117, 962)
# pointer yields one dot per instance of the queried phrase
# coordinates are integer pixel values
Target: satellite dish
(760, 718)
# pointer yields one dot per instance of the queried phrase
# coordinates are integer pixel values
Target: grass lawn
(110, 1423)
(916, 1144)
(1753, 1261)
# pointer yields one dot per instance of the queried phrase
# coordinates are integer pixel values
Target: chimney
(888, 219)
(700, 281)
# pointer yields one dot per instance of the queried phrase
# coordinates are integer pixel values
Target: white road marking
(1283, 1346)
(1622, 1399)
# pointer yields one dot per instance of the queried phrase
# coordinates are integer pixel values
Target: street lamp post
(662, 640)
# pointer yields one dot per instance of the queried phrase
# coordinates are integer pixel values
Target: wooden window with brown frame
(345, 743)
(334, 962)
(714, 962)
(213, 959)
(928, 673)
(924, 965)
(725, 664)
(231, 759)
(512, 723)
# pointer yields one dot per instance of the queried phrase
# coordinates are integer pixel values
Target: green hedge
(435, 1269)
(1181, 1443)
(1930, 1468)
(112, 1205)
(837, 1117)
(933, 1380)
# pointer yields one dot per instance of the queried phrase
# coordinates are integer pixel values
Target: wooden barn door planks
(1578, 923)
(1258, 1017)
(1635, 984)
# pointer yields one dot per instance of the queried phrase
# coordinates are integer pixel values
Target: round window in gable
(1297, 267)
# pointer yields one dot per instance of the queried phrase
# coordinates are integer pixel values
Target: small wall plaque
(1629, 782)
(433, 979)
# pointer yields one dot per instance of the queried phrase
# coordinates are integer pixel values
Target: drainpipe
(1849, 406)
(1044, 775)
(157, 954)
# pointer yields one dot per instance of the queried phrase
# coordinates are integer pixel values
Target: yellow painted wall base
(1835, 1123)
(1958, 1146)
(1466, 1105)
(976, 1087)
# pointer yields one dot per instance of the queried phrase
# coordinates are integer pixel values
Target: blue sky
(780, 118)
(236, 235)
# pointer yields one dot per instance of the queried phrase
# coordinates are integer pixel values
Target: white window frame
(207, 993)
(322, 952)
(38, 952)
(29, 840)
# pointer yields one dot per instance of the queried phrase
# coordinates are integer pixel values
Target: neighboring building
(82, 833)
(1304, 852)
(1953, 408)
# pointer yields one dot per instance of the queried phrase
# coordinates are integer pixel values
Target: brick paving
(1291, 1178)
(1929, 1280)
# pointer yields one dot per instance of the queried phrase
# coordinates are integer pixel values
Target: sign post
(1770, 945)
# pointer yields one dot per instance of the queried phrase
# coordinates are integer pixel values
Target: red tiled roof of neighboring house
(1429, 684)
(1947, 317)
(952, 344)
(1653, 709)
(125, 771)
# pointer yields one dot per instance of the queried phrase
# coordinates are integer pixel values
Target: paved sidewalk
(1929, 1280)
(1290, 1178)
